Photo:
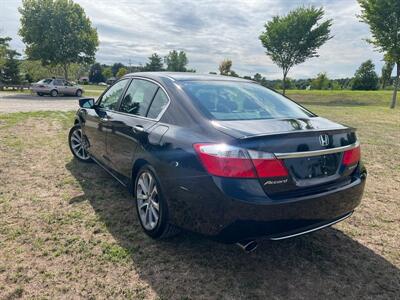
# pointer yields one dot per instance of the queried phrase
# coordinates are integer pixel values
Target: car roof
(185, 76)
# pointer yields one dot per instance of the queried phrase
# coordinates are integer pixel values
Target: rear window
(228, 100)
(46, 81)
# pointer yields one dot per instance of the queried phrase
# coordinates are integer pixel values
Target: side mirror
(86, 102)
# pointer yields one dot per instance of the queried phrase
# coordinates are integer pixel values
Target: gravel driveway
(18, 102)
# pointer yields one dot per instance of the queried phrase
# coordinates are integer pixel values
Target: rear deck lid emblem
(324, 140)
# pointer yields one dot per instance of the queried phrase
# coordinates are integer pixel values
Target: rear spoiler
(301, 132)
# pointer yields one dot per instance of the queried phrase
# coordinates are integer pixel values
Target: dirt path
(19, 102)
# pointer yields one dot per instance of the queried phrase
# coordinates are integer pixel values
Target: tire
(75, 140)
(53, 93)
(39, 94)
(155, 229)
(78, 93)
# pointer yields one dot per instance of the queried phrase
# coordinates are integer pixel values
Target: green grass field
(93, 90)
(68, 230)
(342, 98)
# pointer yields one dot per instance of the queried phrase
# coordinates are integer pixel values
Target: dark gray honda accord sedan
(221, 156)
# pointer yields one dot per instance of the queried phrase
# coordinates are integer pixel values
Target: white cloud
(210, 31)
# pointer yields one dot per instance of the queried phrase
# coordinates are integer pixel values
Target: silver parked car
(56, 86)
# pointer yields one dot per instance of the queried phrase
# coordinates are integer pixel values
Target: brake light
(352, 156)
(230, 161)
(226, 161)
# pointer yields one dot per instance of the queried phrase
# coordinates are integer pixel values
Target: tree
(176, 62)
(57, 33)
(115, 67)
(233, 74)
(386, 74)
(10, 70)
(335, 85)
(284, 85)
(3, 50)
(257, 77)
(34, 70)
(225, 67)
(155, 63)
(365, 77)
(291, 39)
(121, 72)
(107, 72)
(322, 82)
(302, 84)
(387, 70)
(383, 18)
(95, 73)
(9, 64)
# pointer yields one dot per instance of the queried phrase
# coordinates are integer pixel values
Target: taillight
(230, 161)
(352, 156)
(224, 160)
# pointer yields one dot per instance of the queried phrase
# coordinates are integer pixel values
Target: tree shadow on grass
(325, 264)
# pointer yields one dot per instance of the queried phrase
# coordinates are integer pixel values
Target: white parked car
(55, 87)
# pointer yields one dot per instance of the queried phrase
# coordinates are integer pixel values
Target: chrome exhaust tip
(248, 246)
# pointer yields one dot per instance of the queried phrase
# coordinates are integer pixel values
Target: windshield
(229, 100)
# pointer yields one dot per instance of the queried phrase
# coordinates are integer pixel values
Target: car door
(59, 85)
(97, 123)
(69, 88)
(131, 125)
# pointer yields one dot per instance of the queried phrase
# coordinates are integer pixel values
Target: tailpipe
(248, 246)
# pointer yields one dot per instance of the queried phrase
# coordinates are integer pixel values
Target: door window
(138, 97)
(58, 82)
(157, 106)
(110, 98)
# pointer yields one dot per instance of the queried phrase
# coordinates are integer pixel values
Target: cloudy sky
(209, 31)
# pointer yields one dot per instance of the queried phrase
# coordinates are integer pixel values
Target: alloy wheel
(78, 144)
(147, 200)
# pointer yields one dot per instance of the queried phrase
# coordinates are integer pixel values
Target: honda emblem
(324, 140)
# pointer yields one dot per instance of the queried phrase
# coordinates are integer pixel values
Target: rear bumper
(232, 210)
(309, 229)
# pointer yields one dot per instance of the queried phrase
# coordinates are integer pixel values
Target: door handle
(138, 128)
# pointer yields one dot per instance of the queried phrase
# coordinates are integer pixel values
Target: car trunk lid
(311, 150)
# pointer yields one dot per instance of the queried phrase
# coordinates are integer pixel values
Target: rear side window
(138, 97)
(110, 98)
(157, 106)
(229, 100)
(58, 82)
(46, 81)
